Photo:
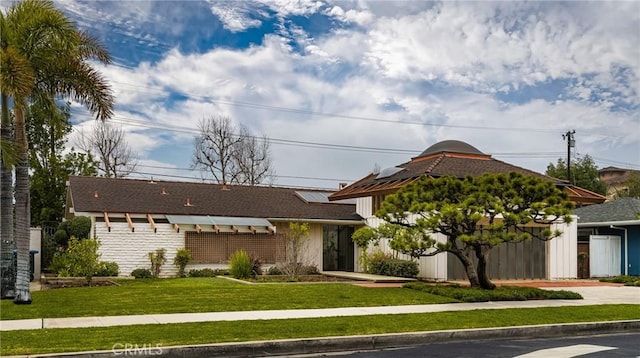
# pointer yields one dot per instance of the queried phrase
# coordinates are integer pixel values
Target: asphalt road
(599, 346)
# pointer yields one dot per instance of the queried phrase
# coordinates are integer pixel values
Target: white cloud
(285, 8)
(434, 64)
(466, 44)
(235, 17)
(361, 18)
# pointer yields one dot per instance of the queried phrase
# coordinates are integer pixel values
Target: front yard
(204, 295)
(218, 294)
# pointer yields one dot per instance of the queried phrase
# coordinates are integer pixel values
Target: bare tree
(214, 148)
(108, 143)
(254, 159)
(231, 154)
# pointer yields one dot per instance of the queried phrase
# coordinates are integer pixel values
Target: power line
(333, 115)
(152, 175)
(615, 162)
(151, 125)
(275, 175)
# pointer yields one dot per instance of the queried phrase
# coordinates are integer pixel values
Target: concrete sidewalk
(592, 296)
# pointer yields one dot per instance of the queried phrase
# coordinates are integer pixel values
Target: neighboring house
(134, 217)
(617, 180)
(609, 238)
(533, 259)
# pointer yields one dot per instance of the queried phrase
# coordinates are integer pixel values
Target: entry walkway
(592, 296)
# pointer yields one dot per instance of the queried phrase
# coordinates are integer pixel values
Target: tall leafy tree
(584, 173)
(632, 188)
(475, 214)
(47, 132)
(44, 55)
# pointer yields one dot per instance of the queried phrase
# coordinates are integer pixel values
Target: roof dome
(450, 146)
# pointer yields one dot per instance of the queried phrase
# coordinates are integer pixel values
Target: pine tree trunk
(22, 212)
(482, 255)
(469, 268)
(7, 281)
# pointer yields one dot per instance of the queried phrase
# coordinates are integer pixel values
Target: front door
(337, 248)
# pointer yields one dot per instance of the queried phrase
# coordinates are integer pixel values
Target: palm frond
(91, 47)
(16, 75)
(84, 84)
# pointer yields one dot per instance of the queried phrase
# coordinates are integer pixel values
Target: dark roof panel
(625, 209)
(466, 161)
(93, 194)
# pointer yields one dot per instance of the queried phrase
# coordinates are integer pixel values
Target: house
(532, 259)
(609, 238)
(134, 217)
(617, 180)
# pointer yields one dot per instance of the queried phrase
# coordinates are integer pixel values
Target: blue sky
(507, 77)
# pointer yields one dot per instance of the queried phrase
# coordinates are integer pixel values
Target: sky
(343, 87)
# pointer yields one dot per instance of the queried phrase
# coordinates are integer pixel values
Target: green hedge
(393, 267)
(625, 279)
(502, 293)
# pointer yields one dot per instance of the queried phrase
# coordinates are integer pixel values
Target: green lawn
(83, 339)
(204, 295)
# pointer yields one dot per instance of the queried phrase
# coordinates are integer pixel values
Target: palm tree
(42, 49)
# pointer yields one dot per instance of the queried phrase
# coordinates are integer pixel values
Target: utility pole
(571, 143)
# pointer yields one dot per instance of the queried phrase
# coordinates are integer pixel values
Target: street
(610, 345)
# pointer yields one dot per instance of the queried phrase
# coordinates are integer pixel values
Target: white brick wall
(130, 249)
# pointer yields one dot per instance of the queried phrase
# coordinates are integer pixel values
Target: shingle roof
(93, 194)
(458, 164)
(624, 209)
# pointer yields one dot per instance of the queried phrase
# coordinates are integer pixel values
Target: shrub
(296, 240)
(107, 269)
(297, 269)
(309, 270)
(625, 279)
(393, 267)
(633, 283)
(59, 265)
(256, 265)
(81, 259)
(79, 227)
(241, 265)
(157, 259)
(141, 273)
(61, 237)
(205, 272)
(274, 270)
(49, 248)
(182, 259)
(504, 293)
(221, 272)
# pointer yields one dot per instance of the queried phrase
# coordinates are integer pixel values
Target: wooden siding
(526, 260)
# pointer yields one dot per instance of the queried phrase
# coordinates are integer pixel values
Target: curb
(357, 343)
